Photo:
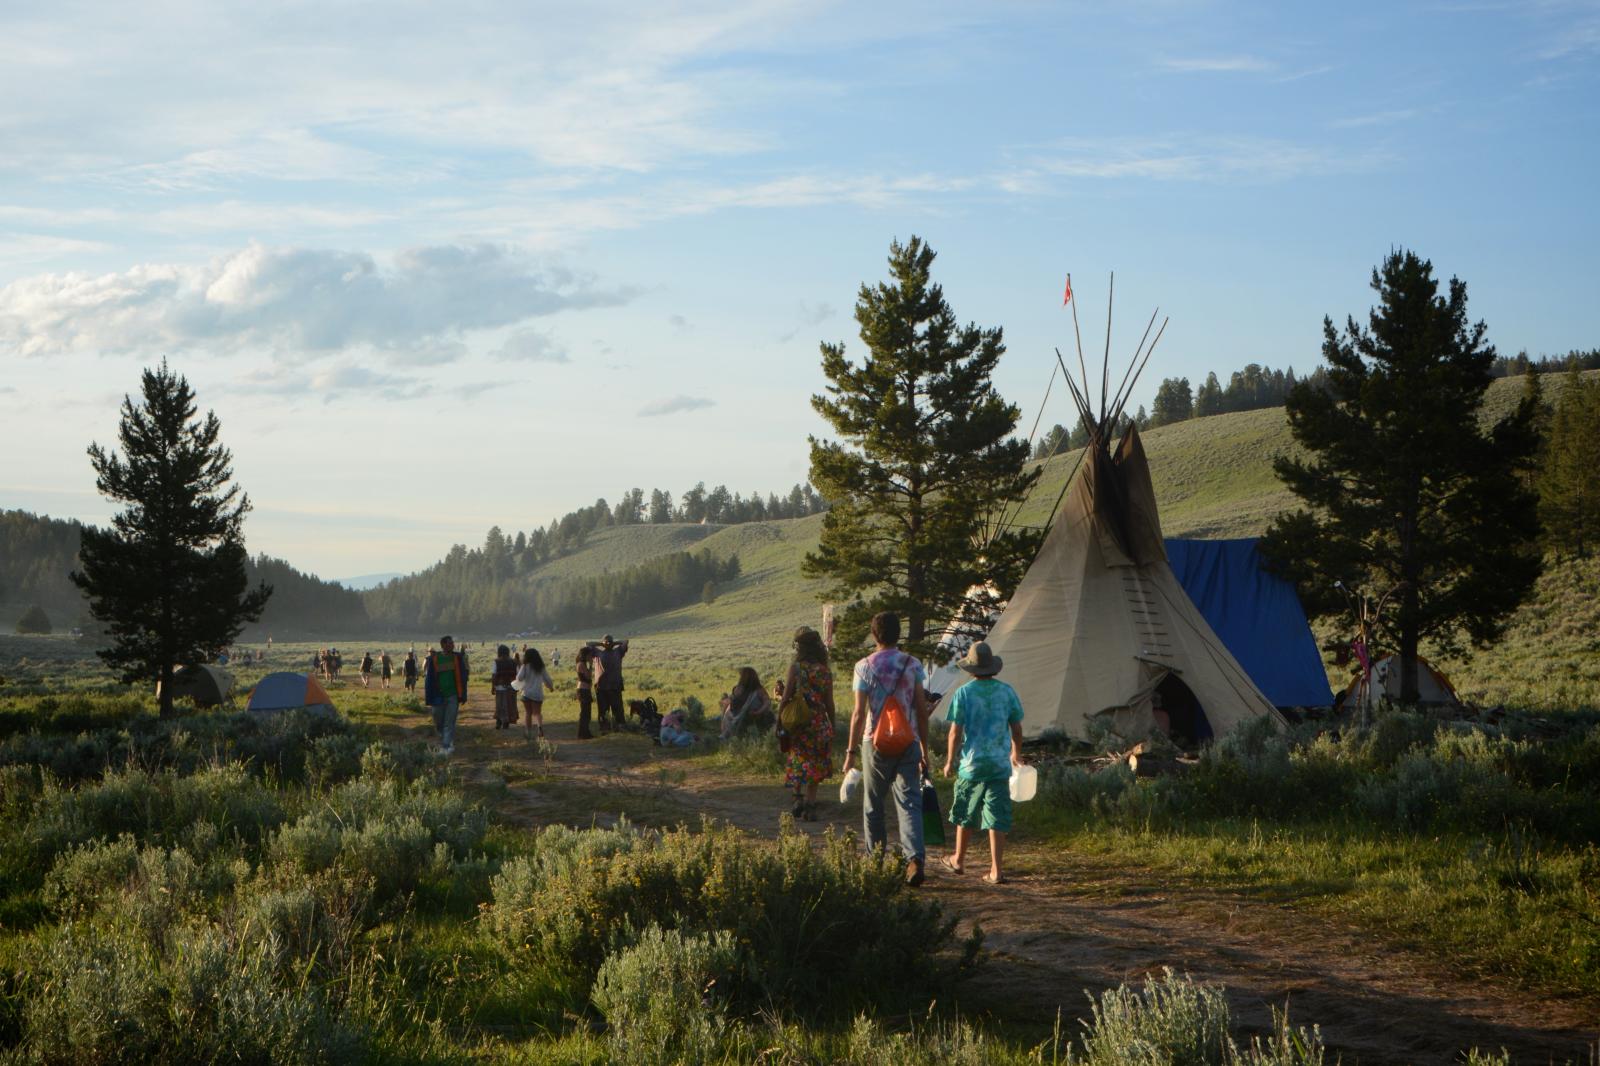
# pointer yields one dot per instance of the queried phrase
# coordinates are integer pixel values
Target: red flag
(1065, 300)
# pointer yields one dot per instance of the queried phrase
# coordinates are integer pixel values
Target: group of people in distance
(329, 661)
(984, 718)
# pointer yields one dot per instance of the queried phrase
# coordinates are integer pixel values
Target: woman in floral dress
(811, 748)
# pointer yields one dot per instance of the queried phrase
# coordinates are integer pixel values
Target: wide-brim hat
(980, 661)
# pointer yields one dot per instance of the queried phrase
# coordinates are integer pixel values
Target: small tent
(1101, 628)
(206, 685)
(288, 692)
(1258, 616)
(1432, 686)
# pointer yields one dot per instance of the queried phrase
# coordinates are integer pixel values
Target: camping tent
(1257, 615)
(287, 692)
(207, 686)
(1100, 627)
(1432, 686)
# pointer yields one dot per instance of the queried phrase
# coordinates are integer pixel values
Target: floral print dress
(811, 750)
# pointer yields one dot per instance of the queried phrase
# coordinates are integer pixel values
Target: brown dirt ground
(1066, 926)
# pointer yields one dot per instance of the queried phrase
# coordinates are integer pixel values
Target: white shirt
(534, 682)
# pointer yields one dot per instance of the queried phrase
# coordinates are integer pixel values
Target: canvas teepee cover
(1100, 622)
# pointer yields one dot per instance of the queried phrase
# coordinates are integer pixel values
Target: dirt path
(1067, 925)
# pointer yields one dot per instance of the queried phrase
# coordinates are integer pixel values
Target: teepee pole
(1136, 353)
(1147, 356)
(1076, 336)
(1105, 360)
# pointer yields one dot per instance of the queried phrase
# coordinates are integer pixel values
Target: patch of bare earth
(1067, 926)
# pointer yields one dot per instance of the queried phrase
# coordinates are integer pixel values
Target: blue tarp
(1257, 615)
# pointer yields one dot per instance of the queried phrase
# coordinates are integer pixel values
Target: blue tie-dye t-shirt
(984, 709)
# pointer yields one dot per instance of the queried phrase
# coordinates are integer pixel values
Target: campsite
(798, 533)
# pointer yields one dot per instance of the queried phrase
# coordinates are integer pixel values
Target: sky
(443, 267)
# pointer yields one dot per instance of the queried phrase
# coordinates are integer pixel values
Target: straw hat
(980, 661)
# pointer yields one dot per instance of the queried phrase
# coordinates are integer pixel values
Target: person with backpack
(444, 689)
(891, 715)
(505, 697)
(985, 717)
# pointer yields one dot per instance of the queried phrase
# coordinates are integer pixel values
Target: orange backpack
(893, 733)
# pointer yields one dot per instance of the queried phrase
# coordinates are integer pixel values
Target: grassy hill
(1213, 478)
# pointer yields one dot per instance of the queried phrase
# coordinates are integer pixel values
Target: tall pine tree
(926, 466)
(167, 579)
(1569, 483)
(1406, 492)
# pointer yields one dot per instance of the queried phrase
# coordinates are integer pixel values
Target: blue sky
(438, 268)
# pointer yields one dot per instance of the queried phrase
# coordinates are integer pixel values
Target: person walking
(585, 671)
(535, 682)
(408, 669)
(386, 665)
(985, 717)
(810, 757)
(891, 676)
(444, 689)
(366, 669)
(608, 679)
(505, 698)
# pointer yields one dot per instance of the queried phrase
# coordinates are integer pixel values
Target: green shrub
(661, 996)
(828, 929)
(107, 995)
(1171, 1020)
(88, 873)
(335, 758)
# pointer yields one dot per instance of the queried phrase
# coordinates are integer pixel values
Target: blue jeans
(899, 777)
(444, 719)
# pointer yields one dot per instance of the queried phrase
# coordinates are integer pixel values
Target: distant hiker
(608, 679)
(585, 690)
(409, 669)
(366, 669)
(535, 682)
(891, 713)
(505, 697)
(985, 719)
(444, 689)
(387, 666)
(810, 759)
(746, 707)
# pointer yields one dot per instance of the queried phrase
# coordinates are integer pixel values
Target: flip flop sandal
(991, 879)
(944, 860)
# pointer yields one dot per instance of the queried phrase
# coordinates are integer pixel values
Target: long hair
(808, 648)
(749, 680)
(532, 658)
(502, 652)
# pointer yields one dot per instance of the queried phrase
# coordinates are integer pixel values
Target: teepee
(1100, 627)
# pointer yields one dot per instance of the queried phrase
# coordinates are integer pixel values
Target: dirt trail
(1066, 925)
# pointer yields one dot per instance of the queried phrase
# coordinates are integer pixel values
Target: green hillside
(1213, 478)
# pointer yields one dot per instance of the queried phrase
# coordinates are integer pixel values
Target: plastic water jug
(850, 787)
(1024, 783)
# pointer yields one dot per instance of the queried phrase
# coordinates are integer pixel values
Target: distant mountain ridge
(366, 581)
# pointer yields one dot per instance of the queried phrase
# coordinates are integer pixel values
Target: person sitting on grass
(747, 706)
(985, 719)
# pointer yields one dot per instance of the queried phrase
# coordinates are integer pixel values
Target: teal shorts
(982, 804)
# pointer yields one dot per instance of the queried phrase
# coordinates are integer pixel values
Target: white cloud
(1219, 65)
(290, 300)
(673, 405)
(810, 315)
(532, 346)
(1180, 158)
(1377, 118)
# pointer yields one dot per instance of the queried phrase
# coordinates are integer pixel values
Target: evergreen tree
(926, 463)
(708, 593)
(1174, 402)
(168, 578)
(660, 507)
(1208, 398)
(1406, 492)
(34, 620)
(1569, 483)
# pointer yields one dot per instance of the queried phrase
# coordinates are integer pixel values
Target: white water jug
(1024, 783)
(850, 786)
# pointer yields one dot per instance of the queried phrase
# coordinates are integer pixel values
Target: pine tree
(1405, 491)
(168, 578)
(1569, 483)
(34, 620)
(1174, 402)
(1208, 398)
(927, 461)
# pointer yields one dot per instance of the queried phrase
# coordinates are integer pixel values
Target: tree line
(477, 588)
(716, 506)
(1568, 459)
(1250, 389)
